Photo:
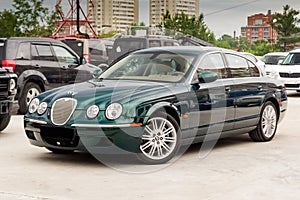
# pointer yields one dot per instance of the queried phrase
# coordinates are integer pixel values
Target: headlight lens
(33, 106)
(12, 84)
(42, 108)
(113, 111)
(92, 112)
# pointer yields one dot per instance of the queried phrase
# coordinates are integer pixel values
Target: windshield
(272, 59)
(292, 59)
(154, 66)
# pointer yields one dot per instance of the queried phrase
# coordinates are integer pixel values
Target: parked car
(41, 64)
(8, 90)
(272, 59)
(126, 44)
(95, 51)
(155, 100)
(256, 60)
(289, 71)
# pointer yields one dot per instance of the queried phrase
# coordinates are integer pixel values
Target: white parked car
(289, 71)
(272, 60)
(256, 60)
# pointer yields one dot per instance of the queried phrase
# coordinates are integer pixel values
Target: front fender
(160, 106)
(31, 75)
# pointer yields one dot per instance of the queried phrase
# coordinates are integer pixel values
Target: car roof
(295, 51)
(277, 54)
(185, 49)
(35, 39)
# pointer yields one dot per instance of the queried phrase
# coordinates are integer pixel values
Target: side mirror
(207, 77)
(97, 73)
(280, 61)
(83, 61)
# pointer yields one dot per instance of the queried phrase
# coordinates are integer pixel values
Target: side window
(154, 43)
(63, 55)
(214, 63)
(42, 52)
(23, 52)
(253, 70)
(168, 43)
(238, 66)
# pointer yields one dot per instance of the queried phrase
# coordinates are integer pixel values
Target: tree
(31, 16)
(8, 23)
(228, 42)
(182, 23)
(286, 26)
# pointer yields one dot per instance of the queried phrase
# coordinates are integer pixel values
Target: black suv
(8, 90)
(41, 64)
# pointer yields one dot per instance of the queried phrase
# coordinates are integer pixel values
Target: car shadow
(107, 160)
(293, 94)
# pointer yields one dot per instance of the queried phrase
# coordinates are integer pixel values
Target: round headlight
(12, 84)
(92, 112)
(42, 108)
(33, 106)
(113, 111)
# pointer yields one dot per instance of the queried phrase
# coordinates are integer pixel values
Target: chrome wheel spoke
(159, 138)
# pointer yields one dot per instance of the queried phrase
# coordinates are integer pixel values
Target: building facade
(159, 7)
(259, 28)
(113, 15)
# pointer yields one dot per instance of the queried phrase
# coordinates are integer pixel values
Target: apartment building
(113, 15)
(159, 7)
(259, 28)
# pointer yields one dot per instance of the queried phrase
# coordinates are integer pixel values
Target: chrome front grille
(62, 110)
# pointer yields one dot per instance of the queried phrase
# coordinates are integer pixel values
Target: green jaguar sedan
(154, 101)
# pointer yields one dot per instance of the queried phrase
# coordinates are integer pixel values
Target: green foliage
(194, 26)
(286, 26)
(28, 18)
(228, 42)
(108, 35)
(8, 24)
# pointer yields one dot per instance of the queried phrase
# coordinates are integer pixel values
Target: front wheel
(30, 91)
(160, 140)
(266, 128)
(4, 121)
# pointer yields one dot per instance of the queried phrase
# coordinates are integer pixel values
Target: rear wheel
(266, 128)
(4, 121)
(160, 140)
(30, 91)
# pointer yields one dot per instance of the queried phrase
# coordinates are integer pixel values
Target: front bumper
(292, 84)
(95, 138)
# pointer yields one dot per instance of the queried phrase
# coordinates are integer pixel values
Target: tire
(30, 91)
(160, 140)
(266, 128)
(4, 121)
(59, 151)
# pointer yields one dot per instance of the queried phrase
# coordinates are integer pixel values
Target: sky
(221, 16)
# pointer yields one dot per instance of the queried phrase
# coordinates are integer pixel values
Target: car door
(44, 61)
(215, 109)
(248, 90)
(68, 63)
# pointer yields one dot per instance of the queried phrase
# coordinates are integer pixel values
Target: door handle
(260, 87)
(37, 66)
(227, 89)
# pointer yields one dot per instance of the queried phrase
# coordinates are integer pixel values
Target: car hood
(104, 92)
(283, 68)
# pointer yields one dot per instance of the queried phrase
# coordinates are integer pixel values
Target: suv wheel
(30, 91)
(4, 121)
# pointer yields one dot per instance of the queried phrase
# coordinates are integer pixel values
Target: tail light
(9, 64)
